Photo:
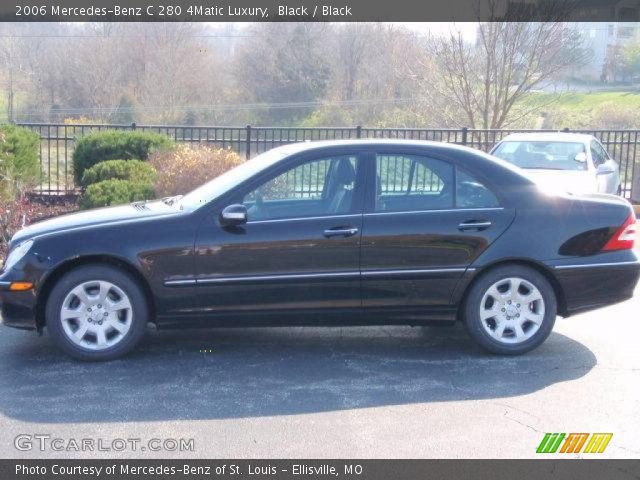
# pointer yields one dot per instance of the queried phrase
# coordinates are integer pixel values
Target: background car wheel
(510, 310)
(96, 312)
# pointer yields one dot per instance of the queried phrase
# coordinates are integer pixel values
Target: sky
(468, 29)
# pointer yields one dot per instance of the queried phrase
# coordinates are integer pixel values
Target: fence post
(359, 131)
(248, 147)
(465, 131)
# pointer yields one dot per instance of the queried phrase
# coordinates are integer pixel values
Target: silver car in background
(577, 163)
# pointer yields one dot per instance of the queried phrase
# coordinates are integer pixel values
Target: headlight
(16, 254)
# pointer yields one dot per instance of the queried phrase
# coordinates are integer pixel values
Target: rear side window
(412, 183)
(472, 193)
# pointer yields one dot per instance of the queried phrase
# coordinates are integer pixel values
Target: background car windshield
(543, 155)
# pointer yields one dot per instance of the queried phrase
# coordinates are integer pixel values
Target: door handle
(341, 232)
(474, 225)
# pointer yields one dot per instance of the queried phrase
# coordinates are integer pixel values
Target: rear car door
(426, 220)
(299, 248)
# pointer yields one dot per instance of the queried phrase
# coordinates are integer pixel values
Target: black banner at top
(318, 10)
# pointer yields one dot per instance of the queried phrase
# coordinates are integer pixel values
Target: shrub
(119, 169)
(185, 167)
(609, 115)
(115, 192)
(126, 145)
(19, 161)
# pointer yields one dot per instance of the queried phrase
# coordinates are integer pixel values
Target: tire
(93, 299)
(510, 310)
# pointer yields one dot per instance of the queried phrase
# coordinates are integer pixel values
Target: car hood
(564, 180)
(95, 217)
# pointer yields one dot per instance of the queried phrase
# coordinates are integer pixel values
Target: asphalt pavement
(336, 392)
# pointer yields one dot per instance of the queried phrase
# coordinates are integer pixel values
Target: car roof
(319, 144)
(549, 137)
(470, 154)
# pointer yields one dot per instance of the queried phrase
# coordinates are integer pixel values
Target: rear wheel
(96, 312)
(510, 310)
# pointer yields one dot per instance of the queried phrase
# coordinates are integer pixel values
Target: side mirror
(233, 215)
(604, 169)
(580, 157)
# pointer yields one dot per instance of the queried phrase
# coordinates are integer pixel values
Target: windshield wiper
(139, 205)
(171, 200)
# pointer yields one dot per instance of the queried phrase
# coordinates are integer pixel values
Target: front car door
(299, 248)
(425, 222)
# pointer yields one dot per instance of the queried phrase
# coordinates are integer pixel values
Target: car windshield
(538, 154)
(219, 185)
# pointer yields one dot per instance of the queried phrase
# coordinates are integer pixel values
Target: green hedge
(19, 160)
(115, 144)
(115, 192)
(133, 170)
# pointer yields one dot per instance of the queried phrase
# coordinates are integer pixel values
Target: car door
(300, 246)
(607, 170)
(425, 222)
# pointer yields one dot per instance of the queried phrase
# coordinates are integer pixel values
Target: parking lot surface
(337, 392)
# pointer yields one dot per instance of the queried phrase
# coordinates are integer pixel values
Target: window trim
(450, 210)
(299, 219)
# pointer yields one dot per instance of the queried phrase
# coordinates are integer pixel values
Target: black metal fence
(58, 140)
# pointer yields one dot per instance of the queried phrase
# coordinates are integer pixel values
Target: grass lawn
(582, 102)
(583, 109)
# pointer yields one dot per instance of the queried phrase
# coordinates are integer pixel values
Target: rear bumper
(594, 285)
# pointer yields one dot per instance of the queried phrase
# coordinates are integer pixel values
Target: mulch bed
(31, 209)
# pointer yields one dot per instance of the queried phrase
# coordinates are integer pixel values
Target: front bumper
(17, 309)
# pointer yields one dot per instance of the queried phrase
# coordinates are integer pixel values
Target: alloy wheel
(512, 310)
(96, 315)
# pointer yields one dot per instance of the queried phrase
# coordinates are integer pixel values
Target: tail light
(625, 236)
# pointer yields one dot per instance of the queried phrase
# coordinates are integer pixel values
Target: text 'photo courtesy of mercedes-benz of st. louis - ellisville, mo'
(367, 240)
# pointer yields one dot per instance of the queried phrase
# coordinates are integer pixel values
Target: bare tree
(486, 79)
(282, 65)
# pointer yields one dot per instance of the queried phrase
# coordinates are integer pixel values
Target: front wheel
(96, 312)
(510, 310)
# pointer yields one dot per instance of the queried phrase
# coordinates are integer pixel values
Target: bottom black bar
(320, 469)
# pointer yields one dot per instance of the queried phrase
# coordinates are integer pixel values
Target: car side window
(412, 183)
(318, 187)
(598, 153)
(472, 193)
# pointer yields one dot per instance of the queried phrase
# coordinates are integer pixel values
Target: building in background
(607, 40)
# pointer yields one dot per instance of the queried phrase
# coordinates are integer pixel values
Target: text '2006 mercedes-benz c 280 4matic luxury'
(328, 233)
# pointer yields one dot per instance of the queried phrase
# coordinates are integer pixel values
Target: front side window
(545, 155)
(315, 188)
(598, 153)
(412, 183)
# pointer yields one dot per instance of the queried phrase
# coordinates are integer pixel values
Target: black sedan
(328, 233)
